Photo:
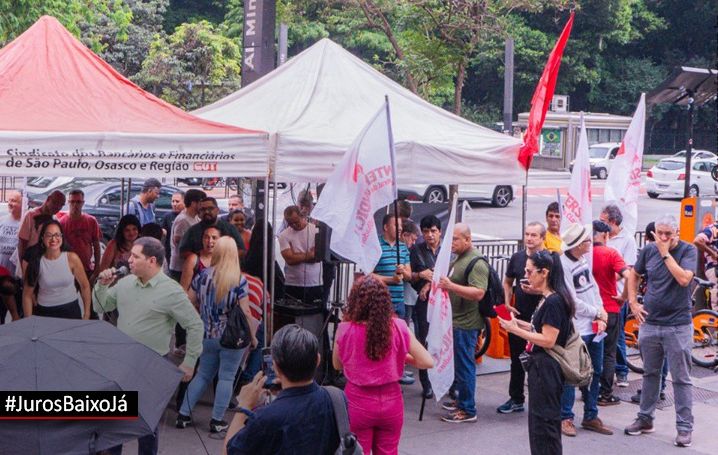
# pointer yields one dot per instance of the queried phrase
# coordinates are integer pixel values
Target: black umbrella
(50, 354)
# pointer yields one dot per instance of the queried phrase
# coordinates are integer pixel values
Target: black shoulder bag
(236, 334)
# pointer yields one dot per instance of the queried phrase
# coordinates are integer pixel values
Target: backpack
(574, 360)
(348, 443)
(237, 333)
(494, 295)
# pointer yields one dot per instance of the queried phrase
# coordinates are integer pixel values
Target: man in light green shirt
(149, 304)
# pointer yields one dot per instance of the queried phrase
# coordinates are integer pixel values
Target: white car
(695, 155)
(668, 178)
(600, 157)
(498, 195)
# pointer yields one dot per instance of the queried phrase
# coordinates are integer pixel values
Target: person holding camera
(301, 419)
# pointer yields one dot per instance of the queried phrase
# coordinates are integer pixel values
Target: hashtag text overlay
(110, 405)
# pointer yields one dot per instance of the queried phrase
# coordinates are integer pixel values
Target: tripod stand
(343, 278)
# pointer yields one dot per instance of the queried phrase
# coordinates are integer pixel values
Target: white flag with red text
(440, 339)
(363, 181)
(577, 205)
(624, 179)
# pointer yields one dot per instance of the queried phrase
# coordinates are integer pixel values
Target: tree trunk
(459, 86)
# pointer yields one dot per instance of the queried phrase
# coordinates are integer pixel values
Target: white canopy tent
(316, 104)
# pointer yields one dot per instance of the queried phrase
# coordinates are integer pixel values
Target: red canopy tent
(65, 111)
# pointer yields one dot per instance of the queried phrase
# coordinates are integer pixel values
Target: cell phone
(268, 370)
(503, 312)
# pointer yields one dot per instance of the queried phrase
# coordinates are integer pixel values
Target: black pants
(609, 353)
(422, 330)
(517, 345)
(67, 311)
(545, 388)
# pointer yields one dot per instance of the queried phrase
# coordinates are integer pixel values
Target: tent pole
(265, 240)
(274, 224)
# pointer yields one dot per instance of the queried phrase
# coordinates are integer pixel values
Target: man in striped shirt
(393, 268)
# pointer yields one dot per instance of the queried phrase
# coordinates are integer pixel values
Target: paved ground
(494, 433)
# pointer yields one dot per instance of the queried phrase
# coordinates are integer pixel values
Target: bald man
(466, 285)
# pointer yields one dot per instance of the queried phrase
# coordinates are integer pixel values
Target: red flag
(542, 98)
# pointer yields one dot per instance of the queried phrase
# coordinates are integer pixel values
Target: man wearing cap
(590, 321)
(607, 266)
(143, 204)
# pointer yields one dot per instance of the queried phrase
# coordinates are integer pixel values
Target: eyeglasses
(56, 235)
(530, 272)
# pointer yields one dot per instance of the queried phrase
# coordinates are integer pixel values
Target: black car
(102, 200)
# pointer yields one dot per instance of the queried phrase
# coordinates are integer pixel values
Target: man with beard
(208, 210)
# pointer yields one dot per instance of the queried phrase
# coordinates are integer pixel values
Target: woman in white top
(50, 278)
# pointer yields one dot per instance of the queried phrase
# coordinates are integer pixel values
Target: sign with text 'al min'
(27, 154)
(258, 45)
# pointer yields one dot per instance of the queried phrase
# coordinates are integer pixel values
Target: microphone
(121, 271)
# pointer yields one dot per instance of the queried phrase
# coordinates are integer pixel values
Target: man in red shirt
(608, 267)
(82, 233)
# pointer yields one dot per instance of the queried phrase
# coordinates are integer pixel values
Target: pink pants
(376, 415)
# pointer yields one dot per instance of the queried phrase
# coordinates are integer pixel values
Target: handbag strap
(340, 409)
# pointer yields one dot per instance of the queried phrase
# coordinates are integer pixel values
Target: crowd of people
(195, 266)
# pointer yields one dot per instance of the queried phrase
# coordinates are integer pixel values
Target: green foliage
(194, 66)
(93, 21)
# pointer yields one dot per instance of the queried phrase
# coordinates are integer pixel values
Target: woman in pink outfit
(372, 347)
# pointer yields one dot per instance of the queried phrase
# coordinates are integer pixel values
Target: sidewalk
(494, 433)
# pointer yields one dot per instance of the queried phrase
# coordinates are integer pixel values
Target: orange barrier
(499, 346)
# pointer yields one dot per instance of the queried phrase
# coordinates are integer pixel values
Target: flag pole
(393, 172)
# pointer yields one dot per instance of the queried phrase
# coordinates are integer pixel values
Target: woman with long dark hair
(118, 249)
(550, 326)
(50, 277)
(193, 264)
(372, 346)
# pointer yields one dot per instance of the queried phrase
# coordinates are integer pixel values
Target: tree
(194, 66)
(128, 54)
(89, 20)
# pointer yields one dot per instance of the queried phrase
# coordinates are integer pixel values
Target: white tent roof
(318, 102)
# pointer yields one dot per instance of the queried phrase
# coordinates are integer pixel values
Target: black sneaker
(509, 407)
(183, 421)
(217, 426)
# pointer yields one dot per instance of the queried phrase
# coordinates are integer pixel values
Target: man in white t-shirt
(302, 273)
(9, 227)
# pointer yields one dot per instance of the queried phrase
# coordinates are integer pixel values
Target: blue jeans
(590, 393)
(214, 359)
(146, 445)
(254, 361)
(399, 309)
(465, 369)
(621, 362)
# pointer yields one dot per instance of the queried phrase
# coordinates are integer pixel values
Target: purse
(236, 334)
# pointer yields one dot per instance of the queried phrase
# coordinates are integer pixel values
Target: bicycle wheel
(633, 350)
(484, 339)
(705, 338)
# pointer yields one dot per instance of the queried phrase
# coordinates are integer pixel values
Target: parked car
(668, 178)
(695, 155)
(102, 200)
(499, 195)
(600, 157)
